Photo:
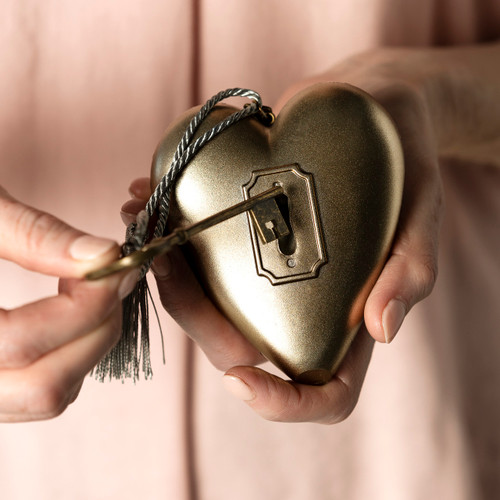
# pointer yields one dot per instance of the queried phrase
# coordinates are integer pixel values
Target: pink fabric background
(87, 89)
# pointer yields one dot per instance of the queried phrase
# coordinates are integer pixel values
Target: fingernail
(162, 266)
(238, 388)
(140, 189)
(128, 284)
(127, 218)
(392, 318)
(89, 247)
(132, 207)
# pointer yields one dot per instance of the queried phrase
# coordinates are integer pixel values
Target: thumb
(41, 242)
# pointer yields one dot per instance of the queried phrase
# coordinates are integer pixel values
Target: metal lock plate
(296, 254)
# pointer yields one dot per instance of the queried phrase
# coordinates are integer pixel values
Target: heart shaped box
(338, 157)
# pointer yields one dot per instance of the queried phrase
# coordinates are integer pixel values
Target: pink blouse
(87, 88)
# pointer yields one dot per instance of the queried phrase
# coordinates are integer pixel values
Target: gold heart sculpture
(300, 298)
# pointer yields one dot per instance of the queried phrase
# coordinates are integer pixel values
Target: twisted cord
(205, 110)
(185, 152)
(176, 168)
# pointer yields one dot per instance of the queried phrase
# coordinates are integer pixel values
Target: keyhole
(287, 243)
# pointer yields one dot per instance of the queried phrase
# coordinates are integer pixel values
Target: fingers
(29, 332)
(186, 302)
(411, 271)
(48, 347)
(407, 278)
(140, 191)
(140, 188)
(130, 209)
(283, 401)
(45, 388)
(40, 242)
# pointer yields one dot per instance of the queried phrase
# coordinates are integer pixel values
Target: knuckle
(425, 270)
(279, 403)
(231, 349)
(16, 351)
(116, 332)
(418, 261)
(428, 193)
(175, 307)
(285, 413)
(439, 204)
(221, 361)
(348, 400)
(114, 329)
(34, 227)
(340, 415)
(16, 354)
(46, 399)
(90, 308)
(403, 97)
(223, 357)
(281, 413)
(279, 416)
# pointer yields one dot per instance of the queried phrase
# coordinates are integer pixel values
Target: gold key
(265, 212)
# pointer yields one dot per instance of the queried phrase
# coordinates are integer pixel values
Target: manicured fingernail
(162, 266)
(392, 318)
(128, 283)
(140, 189)
(89, 247)
(238, 388)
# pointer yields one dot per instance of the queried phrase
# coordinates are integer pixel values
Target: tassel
(132, 350)
(124, 359)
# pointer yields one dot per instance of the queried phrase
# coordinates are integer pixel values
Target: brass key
(266, 215)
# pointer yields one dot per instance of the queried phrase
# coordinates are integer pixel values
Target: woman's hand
(47, 347)
(442, 101)
(411, 269)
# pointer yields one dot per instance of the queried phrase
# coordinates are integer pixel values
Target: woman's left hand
(441, 100)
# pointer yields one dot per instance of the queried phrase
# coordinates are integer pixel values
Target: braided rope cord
(185, 152)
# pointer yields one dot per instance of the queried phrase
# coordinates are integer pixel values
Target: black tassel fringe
(131, 353)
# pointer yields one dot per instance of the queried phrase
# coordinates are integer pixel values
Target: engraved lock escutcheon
(299, 253)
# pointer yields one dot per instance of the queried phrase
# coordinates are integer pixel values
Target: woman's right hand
(48, 347)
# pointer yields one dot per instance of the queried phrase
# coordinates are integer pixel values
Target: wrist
(461, 88)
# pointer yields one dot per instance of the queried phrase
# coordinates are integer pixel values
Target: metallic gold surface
(347, 143)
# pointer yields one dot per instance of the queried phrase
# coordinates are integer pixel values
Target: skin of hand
(444, 102)
(47, 347)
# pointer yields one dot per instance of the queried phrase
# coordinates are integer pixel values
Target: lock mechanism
(284, 226)
(296, 254)
(269, 218)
